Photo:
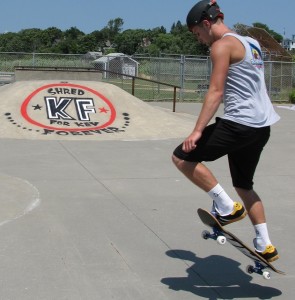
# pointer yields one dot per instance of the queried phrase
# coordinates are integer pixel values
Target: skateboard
(261, 266)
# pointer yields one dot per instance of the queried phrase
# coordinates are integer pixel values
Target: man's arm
(220, 56)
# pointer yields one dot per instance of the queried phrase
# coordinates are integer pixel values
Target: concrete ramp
(83, 110)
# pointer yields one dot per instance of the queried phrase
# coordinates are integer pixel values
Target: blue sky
(90, 15)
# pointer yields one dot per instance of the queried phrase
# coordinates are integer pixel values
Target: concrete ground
(93, 219)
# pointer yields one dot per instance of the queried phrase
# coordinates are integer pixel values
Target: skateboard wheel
(250, 269)
(221, 240)
(205, 234)
(266, 275)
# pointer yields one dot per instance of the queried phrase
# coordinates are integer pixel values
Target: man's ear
(206, 24)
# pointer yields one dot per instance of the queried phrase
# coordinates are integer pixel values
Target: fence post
(292, 74)
(282, 76)
(181, 76)
(270, 78)
(133, 86)
(174, 99)
(33, 59)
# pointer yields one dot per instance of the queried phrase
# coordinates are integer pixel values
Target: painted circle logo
(68, 107)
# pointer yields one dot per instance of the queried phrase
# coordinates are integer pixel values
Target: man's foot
(238, 214)
(270, 253)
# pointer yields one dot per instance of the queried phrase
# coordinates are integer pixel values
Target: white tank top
(245, 96)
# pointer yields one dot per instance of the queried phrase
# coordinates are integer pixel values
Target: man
(237, 79)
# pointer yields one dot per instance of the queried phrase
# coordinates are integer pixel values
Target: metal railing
(139, 87)
(161, 88)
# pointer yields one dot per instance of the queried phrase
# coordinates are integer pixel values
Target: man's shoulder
(225, 44)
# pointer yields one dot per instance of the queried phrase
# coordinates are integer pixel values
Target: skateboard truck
(216, 235)
(258, 269)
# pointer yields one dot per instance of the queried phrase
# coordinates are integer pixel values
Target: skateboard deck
(221, 235)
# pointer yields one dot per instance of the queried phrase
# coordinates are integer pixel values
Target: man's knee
(184, 166)
(247, 193)
(180, 164)
(176, 161)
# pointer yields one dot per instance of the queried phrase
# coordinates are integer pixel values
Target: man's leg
(217, 140)
(198, 173)
(256, 213)
(224, 208)
(253, 205)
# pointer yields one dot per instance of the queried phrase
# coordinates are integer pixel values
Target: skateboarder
(241, 133)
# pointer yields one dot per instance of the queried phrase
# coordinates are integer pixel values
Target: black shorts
(242, 144)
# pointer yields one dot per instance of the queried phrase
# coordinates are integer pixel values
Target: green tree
(5, 38)
(165, 42)
(11, 42)
(111, 38)
(113, 28)
(157, 30)
(31, 39)
(73, 33)
(69, 43)
(130, 41)
(49, 38)
(86, 43)
(187, 44)
(99, 40)
(153, 50)
(178, 28)
(192, 47)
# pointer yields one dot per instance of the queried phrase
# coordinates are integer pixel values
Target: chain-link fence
(280, 79)
(190, 73)
(10, 60)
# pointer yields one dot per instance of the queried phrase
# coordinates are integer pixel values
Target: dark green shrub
(292, 96)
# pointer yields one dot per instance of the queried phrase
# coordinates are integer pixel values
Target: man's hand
(190, 143)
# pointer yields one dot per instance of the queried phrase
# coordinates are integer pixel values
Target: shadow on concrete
(216, 277)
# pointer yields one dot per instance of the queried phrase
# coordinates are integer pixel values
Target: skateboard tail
(243, 248)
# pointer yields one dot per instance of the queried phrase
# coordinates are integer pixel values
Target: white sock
(262, 237)
(223, 203)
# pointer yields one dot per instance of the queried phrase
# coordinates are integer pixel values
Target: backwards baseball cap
(203, 10)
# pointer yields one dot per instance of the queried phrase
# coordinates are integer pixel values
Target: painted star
(37, 107)
(103, 110)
